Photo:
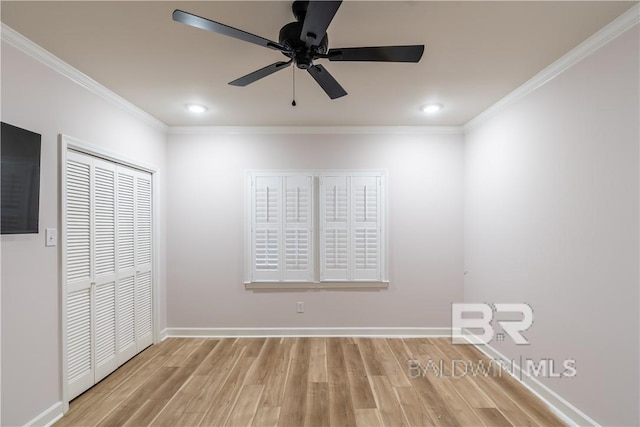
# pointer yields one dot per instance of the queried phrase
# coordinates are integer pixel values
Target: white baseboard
(565, 410)
(48, 417)
(163, 334)
(308, 332)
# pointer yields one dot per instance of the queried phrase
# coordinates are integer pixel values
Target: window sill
(316, 285)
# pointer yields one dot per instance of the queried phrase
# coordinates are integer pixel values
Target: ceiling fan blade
(326, 81)
(377, 54)
(209, 25)
(261, 73)
(317, 20)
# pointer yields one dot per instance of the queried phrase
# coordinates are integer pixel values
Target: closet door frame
(66, 144)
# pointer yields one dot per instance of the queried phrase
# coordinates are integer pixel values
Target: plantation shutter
(366, 228)
(266, 227)
(334, 228)
(298, 251)
(79, 253)
(143, 256)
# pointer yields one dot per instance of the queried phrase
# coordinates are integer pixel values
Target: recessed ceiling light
(196, 108)
(432, 108)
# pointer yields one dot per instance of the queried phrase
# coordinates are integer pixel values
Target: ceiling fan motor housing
(291, 37)
(301, 55)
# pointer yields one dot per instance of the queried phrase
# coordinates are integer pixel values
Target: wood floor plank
(202, 352)
(361, 393)
(266, 416)
(370, 357)
(292, 411)
(172, 412)
(444, 385)
(139, 377)
(253, 346)
(341, 411)
(512, 411)
(276, 380)
(174, 383)
(171, 346)
(225, 399)
(396, 373)
(493, 417)
(430, 396)
(368, 418)
(318, 361)
(386, 401)
(217, 373)
(146, 413)
(317, 411)
(146, 391)
(461, 373)
(414, 412)
(119, 416)
(218, 357)
(180, 356)
(245, 408)
(189, 419)
(304, 381)
(336, 367)
(532, 406)
(266, 362)
(451, 399)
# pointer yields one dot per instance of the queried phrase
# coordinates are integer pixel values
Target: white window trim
(316, 283)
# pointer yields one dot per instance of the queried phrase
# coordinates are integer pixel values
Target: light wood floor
(302, 382)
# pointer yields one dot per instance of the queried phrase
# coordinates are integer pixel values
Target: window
(316, 227)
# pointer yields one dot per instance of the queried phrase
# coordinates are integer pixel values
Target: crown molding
(20, 42)
(611, 31)
(316, 130)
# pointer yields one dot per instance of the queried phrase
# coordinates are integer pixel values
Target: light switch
(51, 236)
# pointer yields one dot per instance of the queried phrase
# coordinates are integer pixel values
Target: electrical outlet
(300, 307)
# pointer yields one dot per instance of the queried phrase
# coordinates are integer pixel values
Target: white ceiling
(476, 53)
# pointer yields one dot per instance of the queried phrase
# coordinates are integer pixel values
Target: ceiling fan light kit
(305, 41)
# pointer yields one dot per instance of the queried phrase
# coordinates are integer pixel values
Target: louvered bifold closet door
(266, 205)
(108, 252)
(366, 228)
(298, 231)
(334, 228)
(125, 243)
(143, 257)
(105, 278)
(79, 273)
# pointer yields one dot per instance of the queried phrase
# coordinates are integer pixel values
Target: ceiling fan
(305, 41)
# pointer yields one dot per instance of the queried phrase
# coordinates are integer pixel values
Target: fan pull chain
(293, 69)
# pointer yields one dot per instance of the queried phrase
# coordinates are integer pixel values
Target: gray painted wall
(39, 99)
(206, 225)
(551, 219)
